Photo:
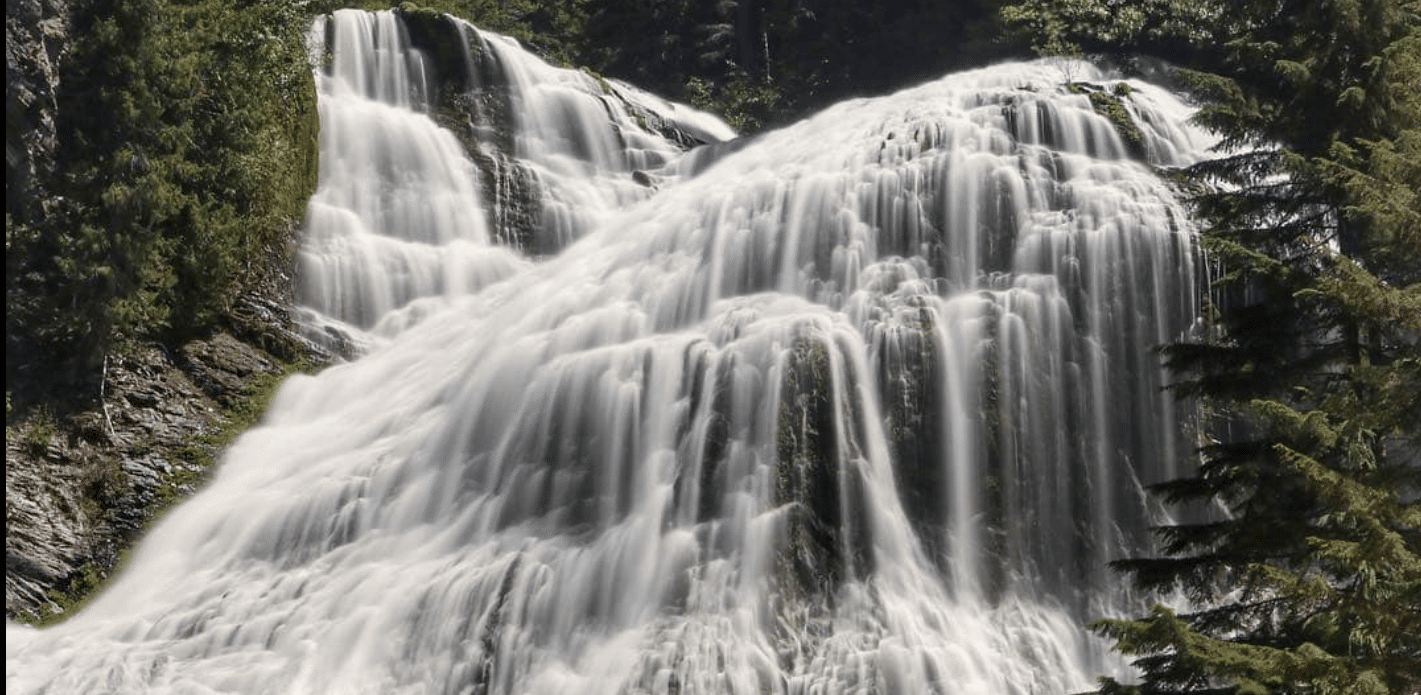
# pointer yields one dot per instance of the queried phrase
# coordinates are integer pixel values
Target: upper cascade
(424, 163)
(861, 405)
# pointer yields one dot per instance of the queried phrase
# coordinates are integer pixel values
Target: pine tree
(187, 146)
(1306, 578)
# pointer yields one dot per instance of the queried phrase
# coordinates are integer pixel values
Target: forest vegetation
(186, 149)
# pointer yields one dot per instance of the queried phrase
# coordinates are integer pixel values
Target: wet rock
(702, 157)
(813, 478)
(268, 322)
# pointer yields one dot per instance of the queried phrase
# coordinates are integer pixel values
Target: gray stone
(36, 38)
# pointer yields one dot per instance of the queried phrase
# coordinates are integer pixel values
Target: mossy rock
(822, 492)
(1110, 104)
(912, 409)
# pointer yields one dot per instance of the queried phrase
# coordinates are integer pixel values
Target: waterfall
(859, 406)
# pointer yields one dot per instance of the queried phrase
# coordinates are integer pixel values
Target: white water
(860, 407)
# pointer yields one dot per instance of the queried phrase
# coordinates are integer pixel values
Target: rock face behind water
(36, 37)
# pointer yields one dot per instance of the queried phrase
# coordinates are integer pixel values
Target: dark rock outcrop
(81, 487)
(36, 37)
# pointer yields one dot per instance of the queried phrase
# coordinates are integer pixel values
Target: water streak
(860, 406)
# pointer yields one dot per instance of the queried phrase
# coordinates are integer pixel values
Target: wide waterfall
(634, 407)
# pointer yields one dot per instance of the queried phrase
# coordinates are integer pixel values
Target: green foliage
(188, 141)
(745, 103)
(39, 432)
(763, 64)
(1321, 574)
(1118, 29)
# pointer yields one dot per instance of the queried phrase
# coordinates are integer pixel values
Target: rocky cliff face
(36, 35)
(81, 486)
(78, 486)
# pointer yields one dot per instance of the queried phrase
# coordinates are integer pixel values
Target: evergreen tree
(187, 145)
(1307, 578)
(765, 62)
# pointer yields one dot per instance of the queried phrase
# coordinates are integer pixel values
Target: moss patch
(203, 450)
(81, 588)
(1110, 104)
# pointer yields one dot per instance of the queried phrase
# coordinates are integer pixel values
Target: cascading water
(861, 406)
